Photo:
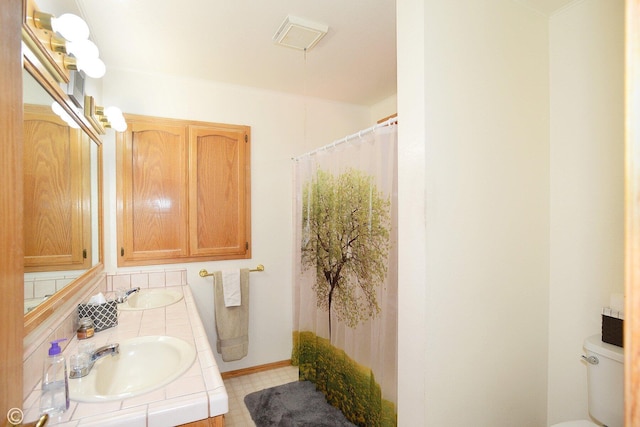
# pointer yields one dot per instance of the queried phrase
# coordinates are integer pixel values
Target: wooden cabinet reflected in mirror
(62, 243)
(57, 196)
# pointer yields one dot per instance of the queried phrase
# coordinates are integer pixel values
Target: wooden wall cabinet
(57, 193)
(183, 191)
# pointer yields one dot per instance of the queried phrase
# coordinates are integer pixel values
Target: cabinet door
(153, 176)
(219, 217)
(56, 195)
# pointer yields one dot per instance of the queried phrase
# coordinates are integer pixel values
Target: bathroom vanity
(196, 398)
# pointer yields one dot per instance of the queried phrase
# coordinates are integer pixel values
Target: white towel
(231, 287)
(232, 323)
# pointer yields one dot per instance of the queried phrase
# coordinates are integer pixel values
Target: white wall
(384, 108)
(477, 320)
(412, 303)
(473, 345)
(587, 166)
(278, 134)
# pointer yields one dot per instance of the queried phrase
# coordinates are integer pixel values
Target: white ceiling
(231, 41)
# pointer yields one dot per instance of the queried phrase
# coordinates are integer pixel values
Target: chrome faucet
(120, 298)
(82, 370)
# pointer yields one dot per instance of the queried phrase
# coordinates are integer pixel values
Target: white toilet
(605, 384)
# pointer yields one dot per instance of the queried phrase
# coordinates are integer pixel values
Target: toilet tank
(605, 382)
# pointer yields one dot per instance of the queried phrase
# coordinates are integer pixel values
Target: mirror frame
(40, 63)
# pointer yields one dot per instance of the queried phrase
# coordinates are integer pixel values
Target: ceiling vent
(299, 33)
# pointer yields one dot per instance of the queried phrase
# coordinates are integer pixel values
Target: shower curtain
(345, 278)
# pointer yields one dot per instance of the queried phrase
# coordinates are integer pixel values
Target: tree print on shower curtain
(346, 240)
(346, 275)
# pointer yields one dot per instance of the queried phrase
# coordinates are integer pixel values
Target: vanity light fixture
(92, 67)
(116, 119)
(102, 118)
(85, 56)
(68, 36)
(79, 49)
(91, 114)
(68, 25)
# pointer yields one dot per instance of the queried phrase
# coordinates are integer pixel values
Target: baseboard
(254, 369)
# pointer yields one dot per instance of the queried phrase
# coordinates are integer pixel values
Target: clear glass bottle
(55, 386)
(86, 328)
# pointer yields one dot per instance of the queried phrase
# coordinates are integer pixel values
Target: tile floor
(239, 387)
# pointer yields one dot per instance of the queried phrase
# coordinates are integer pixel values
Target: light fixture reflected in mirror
(91, 115)
(57, 108)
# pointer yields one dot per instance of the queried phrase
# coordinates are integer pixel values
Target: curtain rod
(359, 134)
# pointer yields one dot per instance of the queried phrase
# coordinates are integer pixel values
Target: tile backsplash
(147, 279)
(63, 323)
(38, 287)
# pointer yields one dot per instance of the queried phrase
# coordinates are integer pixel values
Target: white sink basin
(144, 364)
(151, 298)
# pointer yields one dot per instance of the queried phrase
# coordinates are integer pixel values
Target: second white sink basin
(151, 298)
(143, 364)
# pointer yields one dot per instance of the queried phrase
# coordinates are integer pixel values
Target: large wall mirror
(62, 191)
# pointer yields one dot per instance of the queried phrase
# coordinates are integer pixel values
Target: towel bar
(205, 273)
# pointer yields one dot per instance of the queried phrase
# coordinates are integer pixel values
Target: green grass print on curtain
(345, 383)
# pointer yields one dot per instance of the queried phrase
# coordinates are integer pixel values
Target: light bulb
(72, 124)
(57, 108)
(83, 49)
(119, 126)
(71, 27)
(116, 118)
(93, 67)
(114, 114)
(113, 111)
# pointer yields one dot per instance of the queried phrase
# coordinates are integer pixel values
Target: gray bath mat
(293, 404)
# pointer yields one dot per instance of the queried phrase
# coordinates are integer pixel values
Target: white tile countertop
(198, 394)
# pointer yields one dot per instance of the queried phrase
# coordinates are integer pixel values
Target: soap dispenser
(55, 386)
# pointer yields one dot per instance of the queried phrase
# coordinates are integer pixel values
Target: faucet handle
(14, 419)
(42, 421)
